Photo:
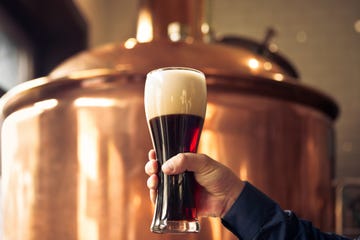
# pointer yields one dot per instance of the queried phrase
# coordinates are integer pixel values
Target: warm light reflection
(253, 63)
(88, 138)
(205, 28)
(36, 109)
(89, 229)
(357, 26)
(92, 75)
(208, 140)
(134, 206)
(88, 153)
(216, 227)
(94, 102)
(243, 172)
(144, 26)
(210, 111)
(209, 144)
(267, 66)
(174, 31)
(46, 104)
(278, 77)
(130, 43)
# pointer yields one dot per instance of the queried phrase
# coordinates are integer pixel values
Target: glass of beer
(175, 105)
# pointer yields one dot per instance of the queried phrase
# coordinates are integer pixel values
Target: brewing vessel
(74, 143)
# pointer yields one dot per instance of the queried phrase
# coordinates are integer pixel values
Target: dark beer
(175, 106)
(173, 134)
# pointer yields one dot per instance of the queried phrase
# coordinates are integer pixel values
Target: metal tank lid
(139, 58)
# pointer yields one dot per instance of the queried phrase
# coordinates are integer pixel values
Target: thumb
(185, 162)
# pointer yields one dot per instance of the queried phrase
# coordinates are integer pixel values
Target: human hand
(219, 186)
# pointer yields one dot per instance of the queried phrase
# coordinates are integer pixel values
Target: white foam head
(175, 90)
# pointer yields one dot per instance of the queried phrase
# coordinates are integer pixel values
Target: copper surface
(74, 144)
(75, 149)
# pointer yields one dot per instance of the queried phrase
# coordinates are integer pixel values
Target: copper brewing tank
(74, 143)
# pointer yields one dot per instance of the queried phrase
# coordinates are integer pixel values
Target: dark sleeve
(254, 216)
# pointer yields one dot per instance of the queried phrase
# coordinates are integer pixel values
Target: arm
(255, 216)
(243, 209)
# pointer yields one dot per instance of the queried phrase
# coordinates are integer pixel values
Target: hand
(219, 186)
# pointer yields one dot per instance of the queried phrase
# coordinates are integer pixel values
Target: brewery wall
(321, 38)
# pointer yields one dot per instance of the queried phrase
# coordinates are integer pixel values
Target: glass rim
(175, 68)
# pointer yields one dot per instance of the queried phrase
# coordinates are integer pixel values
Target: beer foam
(175, 91)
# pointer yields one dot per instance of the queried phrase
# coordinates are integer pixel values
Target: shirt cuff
(249, 213)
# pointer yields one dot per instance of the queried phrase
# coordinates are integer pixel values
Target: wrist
(233, 194)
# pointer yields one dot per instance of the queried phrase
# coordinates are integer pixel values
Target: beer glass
(175, 106)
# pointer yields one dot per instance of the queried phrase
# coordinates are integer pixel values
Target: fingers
(152, 184)
(186, 162)
(151, 167)
(152, 155)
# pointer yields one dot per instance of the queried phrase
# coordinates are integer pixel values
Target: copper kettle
(74, 143)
